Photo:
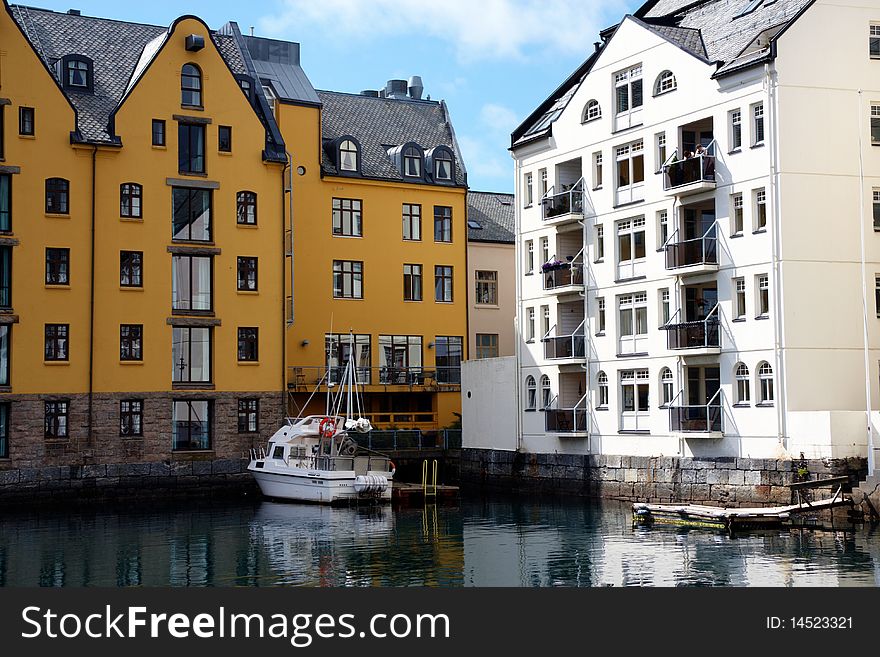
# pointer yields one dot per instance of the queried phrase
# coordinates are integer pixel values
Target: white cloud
(484, 161)
(499, 119)
(489, 29)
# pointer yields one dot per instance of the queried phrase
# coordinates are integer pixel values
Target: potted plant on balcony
(553, 264)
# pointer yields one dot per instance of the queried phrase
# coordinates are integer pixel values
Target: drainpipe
(287, 167)
(871, 461)
(89, 430)
(517, 196)
(776, 247)
(588, 332)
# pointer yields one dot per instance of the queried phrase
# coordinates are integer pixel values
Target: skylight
(754, 4)
(474, 224)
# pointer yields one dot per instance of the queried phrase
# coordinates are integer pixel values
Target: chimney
(416, 88)
(396, 89)
(372, 93)
(597, 45)
(73, 12)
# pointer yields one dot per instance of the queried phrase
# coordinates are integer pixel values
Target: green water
(481, 542)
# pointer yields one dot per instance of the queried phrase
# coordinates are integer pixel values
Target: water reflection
(484, 542)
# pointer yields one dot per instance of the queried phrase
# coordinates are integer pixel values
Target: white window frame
(660, 150)
(531, 394)
(667, 387)
(634, 190)
(530, 256)
(545, 320)
(529, 193)
(665, 307)
(597, 170)
(546, 392)
(636, 418)
(760, 205)
(662, 228)
(628, 79)
(665, 83)
(600, 243)
(875, 124)
(592, 111)
(740, 309)
(759, 127)
(545, 182)
(742, 385)
(734, 122)
(545, 250)
(530, 324)
(762, 298)
(875, 208)
(737, 214)
(874, 40)
(766, 390)
(629, 265)
(601, 390)
(600, 316)
(632, 309)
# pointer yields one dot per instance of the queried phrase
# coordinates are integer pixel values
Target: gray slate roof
(383, 123)
(495, 213)
(279, 63)
(114, 46)
(712, 30)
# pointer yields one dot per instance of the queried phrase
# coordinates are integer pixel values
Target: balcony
(701, 337)
(564, 278)
(373, 378)
(570, 348)
(690, 175)
(568, 422)
(694, 256)
(564, 208)
(695, 421)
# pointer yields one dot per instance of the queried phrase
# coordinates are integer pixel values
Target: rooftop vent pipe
(416, 88)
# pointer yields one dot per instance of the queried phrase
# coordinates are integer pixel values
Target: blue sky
(493, 61)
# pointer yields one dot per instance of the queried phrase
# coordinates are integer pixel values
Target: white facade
(757, 249)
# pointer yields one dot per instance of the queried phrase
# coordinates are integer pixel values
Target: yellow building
(141, 243)
(379, 239)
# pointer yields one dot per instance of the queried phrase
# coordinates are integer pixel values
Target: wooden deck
(403, 493)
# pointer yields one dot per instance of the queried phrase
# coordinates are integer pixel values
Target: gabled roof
(379, 125)
(494, 212)
(121, 52)
(715, 31)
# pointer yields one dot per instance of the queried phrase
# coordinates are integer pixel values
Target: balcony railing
(565, 346)
(568, 201)
(698, 251)
(567, 420)
(704, 333)
(686, 171)
(397, 376)
(557, 275)
(704, 418)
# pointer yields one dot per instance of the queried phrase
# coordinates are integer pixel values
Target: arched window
(545, 391)
(665, 83)
(57, 196)
(602, 390)
(667, 386)
(442, 165)
(412, 162)
(531, 393)
(348, 155)
(130, 196)
(592, 111)
(191, 85)
(743, 387)
(765, 383)
(246, 208)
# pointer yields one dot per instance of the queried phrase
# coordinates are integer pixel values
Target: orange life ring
(327, 428)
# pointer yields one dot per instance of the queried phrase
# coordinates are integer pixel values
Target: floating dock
(731, 519)
(403, 493)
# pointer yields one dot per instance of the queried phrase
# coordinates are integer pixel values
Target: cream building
(715, 305)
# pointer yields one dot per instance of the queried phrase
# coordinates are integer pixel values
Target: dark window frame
(191, 73)
(158, 133)
(133, 270)
(6, 187)
(6, 367)
(26, 121)
(56, 342)
(72, 64)
(224, 138)
(443, 224)
(245, 266)
(181, 205)
(176, 306)
(444, 278)
(6, 276)
(192, 151)
(178, 445)
(248, 344)
(56, 419)
(249, 415)
(57, 194)
(347, 217)
(413, 282)
(350, 275)
(131, 342)
(131, 418)
(131, 200)
(57, 266)
(444, 349)
(246, 208)
(177, 371)
(412, 217)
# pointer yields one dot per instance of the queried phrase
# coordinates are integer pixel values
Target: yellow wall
(383, 251)
(26, 82)
(157, 95)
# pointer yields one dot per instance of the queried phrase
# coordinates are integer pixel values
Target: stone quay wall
(728, 481)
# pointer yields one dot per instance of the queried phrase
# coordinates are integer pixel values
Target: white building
(719, 305)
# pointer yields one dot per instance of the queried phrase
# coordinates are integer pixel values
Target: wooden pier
(403, 493)
(731, 519)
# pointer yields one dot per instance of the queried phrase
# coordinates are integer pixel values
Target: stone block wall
(664, 479)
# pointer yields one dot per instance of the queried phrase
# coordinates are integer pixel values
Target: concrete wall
(489, 403)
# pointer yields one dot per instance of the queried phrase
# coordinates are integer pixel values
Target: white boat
(314, 459)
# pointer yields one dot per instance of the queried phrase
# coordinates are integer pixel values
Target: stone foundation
(723, 480)
(38, 464)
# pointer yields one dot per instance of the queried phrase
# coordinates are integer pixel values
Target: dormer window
(412, 162)
(592, 111)
(348, 155)
(191, 85)
(245, 85)
(442, 164)
(665, 83)
(76, 72)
